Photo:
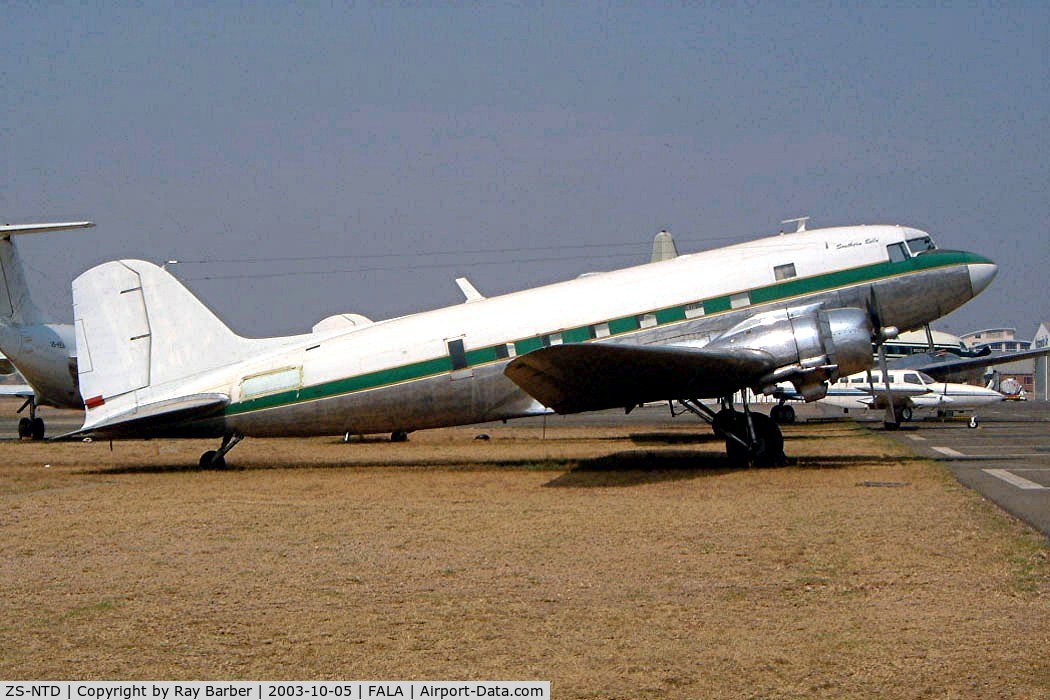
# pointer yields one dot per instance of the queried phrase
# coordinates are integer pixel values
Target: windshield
(927, 379)
(921, 245)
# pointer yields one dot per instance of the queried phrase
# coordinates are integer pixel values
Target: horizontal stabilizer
(168, 413)
(22, 391)
(591, 377)
(9, 229)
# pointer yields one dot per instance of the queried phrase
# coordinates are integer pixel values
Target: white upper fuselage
(402, 374)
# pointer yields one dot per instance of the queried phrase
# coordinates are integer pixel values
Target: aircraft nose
(981, 275)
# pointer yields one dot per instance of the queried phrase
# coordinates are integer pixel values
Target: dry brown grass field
(616, 562)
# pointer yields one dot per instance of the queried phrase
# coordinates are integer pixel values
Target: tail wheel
(212, 460)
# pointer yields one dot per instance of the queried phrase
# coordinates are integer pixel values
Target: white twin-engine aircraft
(803, 307)
(908, 390)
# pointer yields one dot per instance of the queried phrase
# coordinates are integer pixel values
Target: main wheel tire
(782, 414)
(769, 450)
(399, 436)
(25, 428)
(726, 422)
(37, 429)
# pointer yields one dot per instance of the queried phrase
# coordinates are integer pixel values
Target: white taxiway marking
(917, 438)
(949, 452)
(1014, 480)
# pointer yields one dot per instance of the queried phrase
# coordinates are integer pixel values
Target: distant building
(1041, 385)
(1004, 340)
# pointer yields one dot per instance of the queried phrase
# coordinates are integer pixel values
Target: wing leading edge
(589, 377)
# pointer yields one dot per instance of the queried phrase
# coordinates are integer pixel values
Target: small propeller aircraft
(917, 381)
(909, 390)
(802, 307)
(44, 352)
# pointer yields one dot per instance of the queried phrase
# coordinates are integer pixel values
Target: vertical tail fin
(143, 338)
(137, 326)
(16, 304)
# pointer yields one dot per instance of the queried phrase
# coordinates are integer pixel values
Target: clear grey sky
(554, 140)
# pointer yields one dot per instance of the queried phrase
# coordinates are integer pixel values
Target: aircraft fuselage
(445, 367)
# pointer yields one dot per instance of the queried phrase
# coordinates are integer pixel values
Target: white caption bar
(271, 690)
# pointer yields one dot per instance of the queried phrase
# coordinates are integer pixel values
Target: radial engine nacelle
(811, 346)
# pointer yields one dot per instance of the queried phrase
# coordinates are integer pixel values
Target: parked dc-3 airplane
(909, 390)
(43, 351)
(802, 307)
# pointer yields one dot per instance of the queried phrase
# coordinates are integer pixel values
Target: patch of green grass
(102, 606)
(1030, 564)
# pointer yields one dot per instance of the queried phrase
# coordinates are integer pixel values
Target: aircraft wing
(590, 377)
(22, 391)
(937, 365)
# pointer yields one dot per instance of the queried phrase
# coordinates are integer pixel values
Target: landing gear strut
(216, 459)
(753, 439)
(31, 427)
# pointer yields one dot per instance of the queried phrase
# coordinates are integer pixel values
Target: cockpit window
(921, 245)
(896, 252)
(927, 379)
(911, 378)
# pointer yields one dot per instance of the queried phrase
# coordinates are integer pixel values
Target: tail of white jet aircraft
(16, 304)
(140, 333)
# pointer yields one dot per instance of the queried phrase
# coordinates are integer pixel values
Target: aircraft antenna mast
(800, 221)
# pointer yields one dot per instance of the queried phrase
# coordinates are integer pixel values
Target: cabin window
(551, 339)
(784, 272)
(457, 355)
(739, 301)
(860, 380)
(897, 252)
(694, 310)
(601, 330)
(647, 320)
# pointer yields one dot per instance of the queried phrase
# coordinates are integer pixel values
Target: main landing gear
(31, 427)
(783, 414)
(751, 438)
(216, 459)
